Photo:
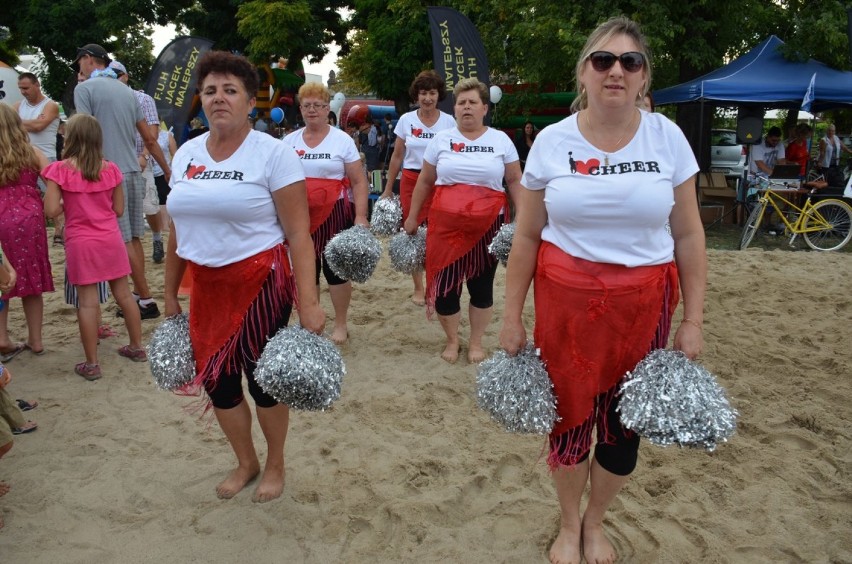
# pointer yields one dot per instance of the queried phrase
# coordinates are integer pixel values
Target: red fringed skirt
(595, 322)
(231, 301)
(330, 208)
(406, 191)
(462, 223)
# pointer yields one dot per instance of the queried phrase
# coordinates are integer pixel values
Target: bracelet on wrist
(692, 322)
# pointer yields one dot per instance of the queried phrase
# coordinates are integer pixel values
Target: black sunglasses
(632, 61)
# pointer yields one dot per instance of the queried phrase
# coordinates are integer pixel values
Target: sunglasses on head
(632, 61)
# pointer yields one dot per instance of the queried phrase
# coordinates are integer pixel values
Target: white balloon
(495, 93)
(340, 97)
(335, 105)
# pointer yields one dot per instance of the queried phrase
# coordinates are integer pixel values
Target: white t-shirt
(614, 214)
(459, 160)
(329, 158)
(417, 136)
(223, 211)
(769, 155)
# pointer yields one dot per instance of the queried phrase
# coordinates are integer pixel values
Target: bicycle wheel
(752, 223)
(833, 221)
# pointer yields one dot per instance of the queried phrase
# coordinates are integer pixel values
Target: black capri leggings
(480, 288)
(619, 450)
(330, 277)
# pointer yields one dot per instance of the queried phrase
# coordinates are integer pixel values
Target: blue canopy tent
(764, 77)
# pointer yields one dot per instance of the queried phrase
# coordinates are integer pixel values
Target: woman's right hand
(388, 192)
(171, 305)
(410, 225)
(312, 318)
(513, 336)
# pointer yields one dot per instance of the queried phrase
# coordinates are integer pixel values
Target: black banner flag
(173, 79)
(457, 50)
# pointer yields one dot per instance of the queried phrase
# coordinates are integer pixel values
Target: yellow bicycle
(825, 225)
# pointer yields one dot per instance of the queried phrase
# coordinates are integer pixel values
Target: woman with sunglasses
(413, 132)
(600, 187)
(333, 175)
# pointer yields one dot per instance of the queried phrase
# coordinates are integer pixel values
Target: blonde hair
(467, 84)
(84, 144)
(16, 153)
(611, 28)
(314, 90)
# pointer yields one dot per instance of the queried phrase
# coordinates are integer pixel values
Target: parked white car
(726, 154)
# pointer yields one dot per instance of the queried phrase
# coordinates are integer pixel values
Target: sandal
(105, 331)
(7, 355)
(28, 427)
(25, 405)
(90, 372)
(136, 355)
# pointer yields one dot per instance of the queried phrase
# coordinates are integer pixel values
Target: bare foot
(451, 352)
(418, 300)
(596, 547)
(236, 481)
(566, 548)
(475, 354)
(340, 335)
(271, 485)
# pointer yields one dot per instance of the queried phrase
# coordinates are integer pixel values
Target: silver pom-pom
(353, 254)
(408, 252)
(669, 399)
(386, 218)
(502, 242)
(301, 369)
(517, 392)
(170, 356)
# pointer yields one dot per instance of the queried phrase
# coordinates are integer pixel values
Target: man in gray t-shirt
(114, 106)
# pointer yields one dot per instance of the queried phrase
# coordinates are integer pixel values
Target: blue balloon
(253, 113)
(277, 115)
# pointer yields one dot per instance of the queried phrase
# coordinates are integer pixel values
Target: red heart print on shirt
(193, 170)
(416, 132)
(457, 147)
(300, 152)
(583, 167)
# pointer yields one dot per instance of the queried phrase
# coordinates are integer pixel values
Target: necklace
(617, 143)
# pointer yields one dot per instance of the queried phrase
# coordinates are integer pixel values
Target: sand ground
(405, 468)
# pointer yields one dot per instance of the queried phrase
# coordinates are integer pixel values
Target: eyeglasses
(632, 61)
(314, 106)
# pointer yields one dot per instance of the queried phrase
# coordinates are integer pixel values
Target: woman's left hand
(410, 225)
(13, 279)
(312, 318)
(689, 339)
(362, 220)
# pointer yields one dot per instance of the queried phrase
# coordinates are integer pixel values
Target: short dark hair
(774, 131)
(29, 76)
(222, 62)
(428, 80)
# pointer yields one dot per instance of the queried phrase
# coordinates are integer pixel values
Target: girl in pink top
(87, 189)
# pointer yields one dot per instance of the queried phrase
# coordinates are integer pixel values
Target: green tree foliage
(135, 51)
(57, 29)
(295, 29)
(539, 42)
(391, 44)
(215, 20)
